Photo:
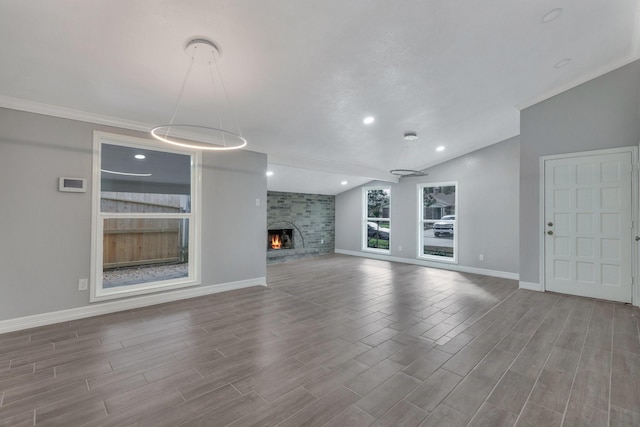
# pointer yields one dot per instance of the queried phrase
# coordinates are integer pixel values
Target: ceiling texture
(302, 75)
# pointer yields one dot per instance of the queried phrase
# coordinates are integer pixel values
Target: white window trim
(420, 246)
(97, 293)
(365, 219)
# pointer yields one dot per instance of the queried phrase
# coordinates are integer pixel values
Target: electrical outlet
(83, 284)
(322, 241)
(257, 202)
(400, 248)
(481, 257)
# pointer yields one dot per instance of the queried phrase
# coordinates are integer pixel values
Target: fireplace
(281, 238)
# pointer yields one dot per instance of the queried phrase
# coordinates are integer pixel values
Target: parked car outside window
(445, 226)
(374, 231)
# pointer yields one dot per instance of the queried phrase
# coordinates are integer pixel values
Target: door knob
(550, 224)
(637, 238)
(549, 232)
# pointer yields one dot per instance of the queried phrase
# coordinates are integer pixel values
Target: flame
(276, 243)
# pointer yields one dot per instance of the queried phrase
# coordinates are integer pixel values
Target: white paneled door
(588, 225)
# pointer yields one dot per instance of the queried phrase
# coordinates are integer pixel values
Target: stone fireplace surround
(312, 218)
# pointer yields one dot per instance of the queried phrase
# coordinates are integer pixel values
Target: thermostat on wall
(73, 185)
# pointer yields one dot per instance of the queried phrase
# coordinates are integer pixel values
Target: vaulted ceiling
(302, 75)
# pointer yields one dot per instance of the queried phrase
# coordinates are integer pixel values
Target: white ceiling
(303, 74)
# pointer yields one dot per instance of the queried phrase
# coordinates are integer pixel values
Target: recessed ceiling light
(368, 120)
(440, 148)
(410, 136)
(552, 15)
(344, 183)
(140, 156)
(269, 173)
(562, 63)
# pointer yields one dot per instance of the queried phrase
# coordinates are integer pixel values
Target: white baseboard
(531, 286)
(97, 309)
(442, 266)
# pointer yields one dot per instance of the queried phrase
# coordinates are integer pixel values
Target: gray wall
(46, 235)
(487, 209)
(599, 114)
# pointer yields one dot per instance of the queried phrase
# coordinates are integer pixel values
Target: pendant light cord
(226, 94)
(184, 84)
(215, 97)
(204, 136)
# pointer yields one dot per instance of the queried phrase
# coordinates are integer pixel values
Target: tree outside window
(377, 227)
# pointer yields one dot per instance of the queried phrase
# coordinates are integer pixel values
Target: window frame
(97, 292)
(422, 221)
(365, 219)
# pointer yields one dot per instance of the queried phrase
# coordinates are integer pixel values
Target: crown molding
(580, 80)
(70, 113)
(323, 165)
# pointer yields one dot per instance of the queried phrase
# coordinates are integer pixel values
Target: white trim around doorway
(635, 291)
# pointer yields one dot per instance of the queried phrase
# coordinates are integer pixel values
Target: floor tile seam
(255, 390)
(575, 374)
(35, 404)
(315, 395)
(324, 307)
(399, 400)
(359, 394)
(486, 400)
(494, 307)
(47, 379)
(32, 411)
(412, 404)
(251, 391)
(363, 410)
(613, 323)
(198, 372)
(35, 411)
(367, 412)
(194, 369)
(305, 406)
(81, 358)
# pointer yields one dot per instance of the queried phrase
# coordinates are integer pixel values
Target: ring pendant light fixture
(406, 172)
(410, 137)
(201, 137)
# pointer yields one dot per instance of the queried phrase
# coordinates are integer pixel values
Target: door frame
(635, 210)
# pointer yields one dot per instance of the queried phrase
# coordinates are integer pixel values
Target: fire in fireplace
(280, 239)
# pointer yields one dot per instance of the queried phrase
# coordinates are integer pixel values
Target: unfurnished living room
(296, 213)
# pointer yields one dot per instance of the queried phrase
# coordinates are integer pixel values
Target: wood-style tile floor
(335, 341)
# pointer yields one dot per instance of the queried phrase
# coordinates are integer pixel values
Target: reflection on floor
(335, 341)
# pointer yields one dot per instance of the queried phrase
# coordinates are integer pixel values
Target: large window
(377, 225)
(144, 220)
(438, 237)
